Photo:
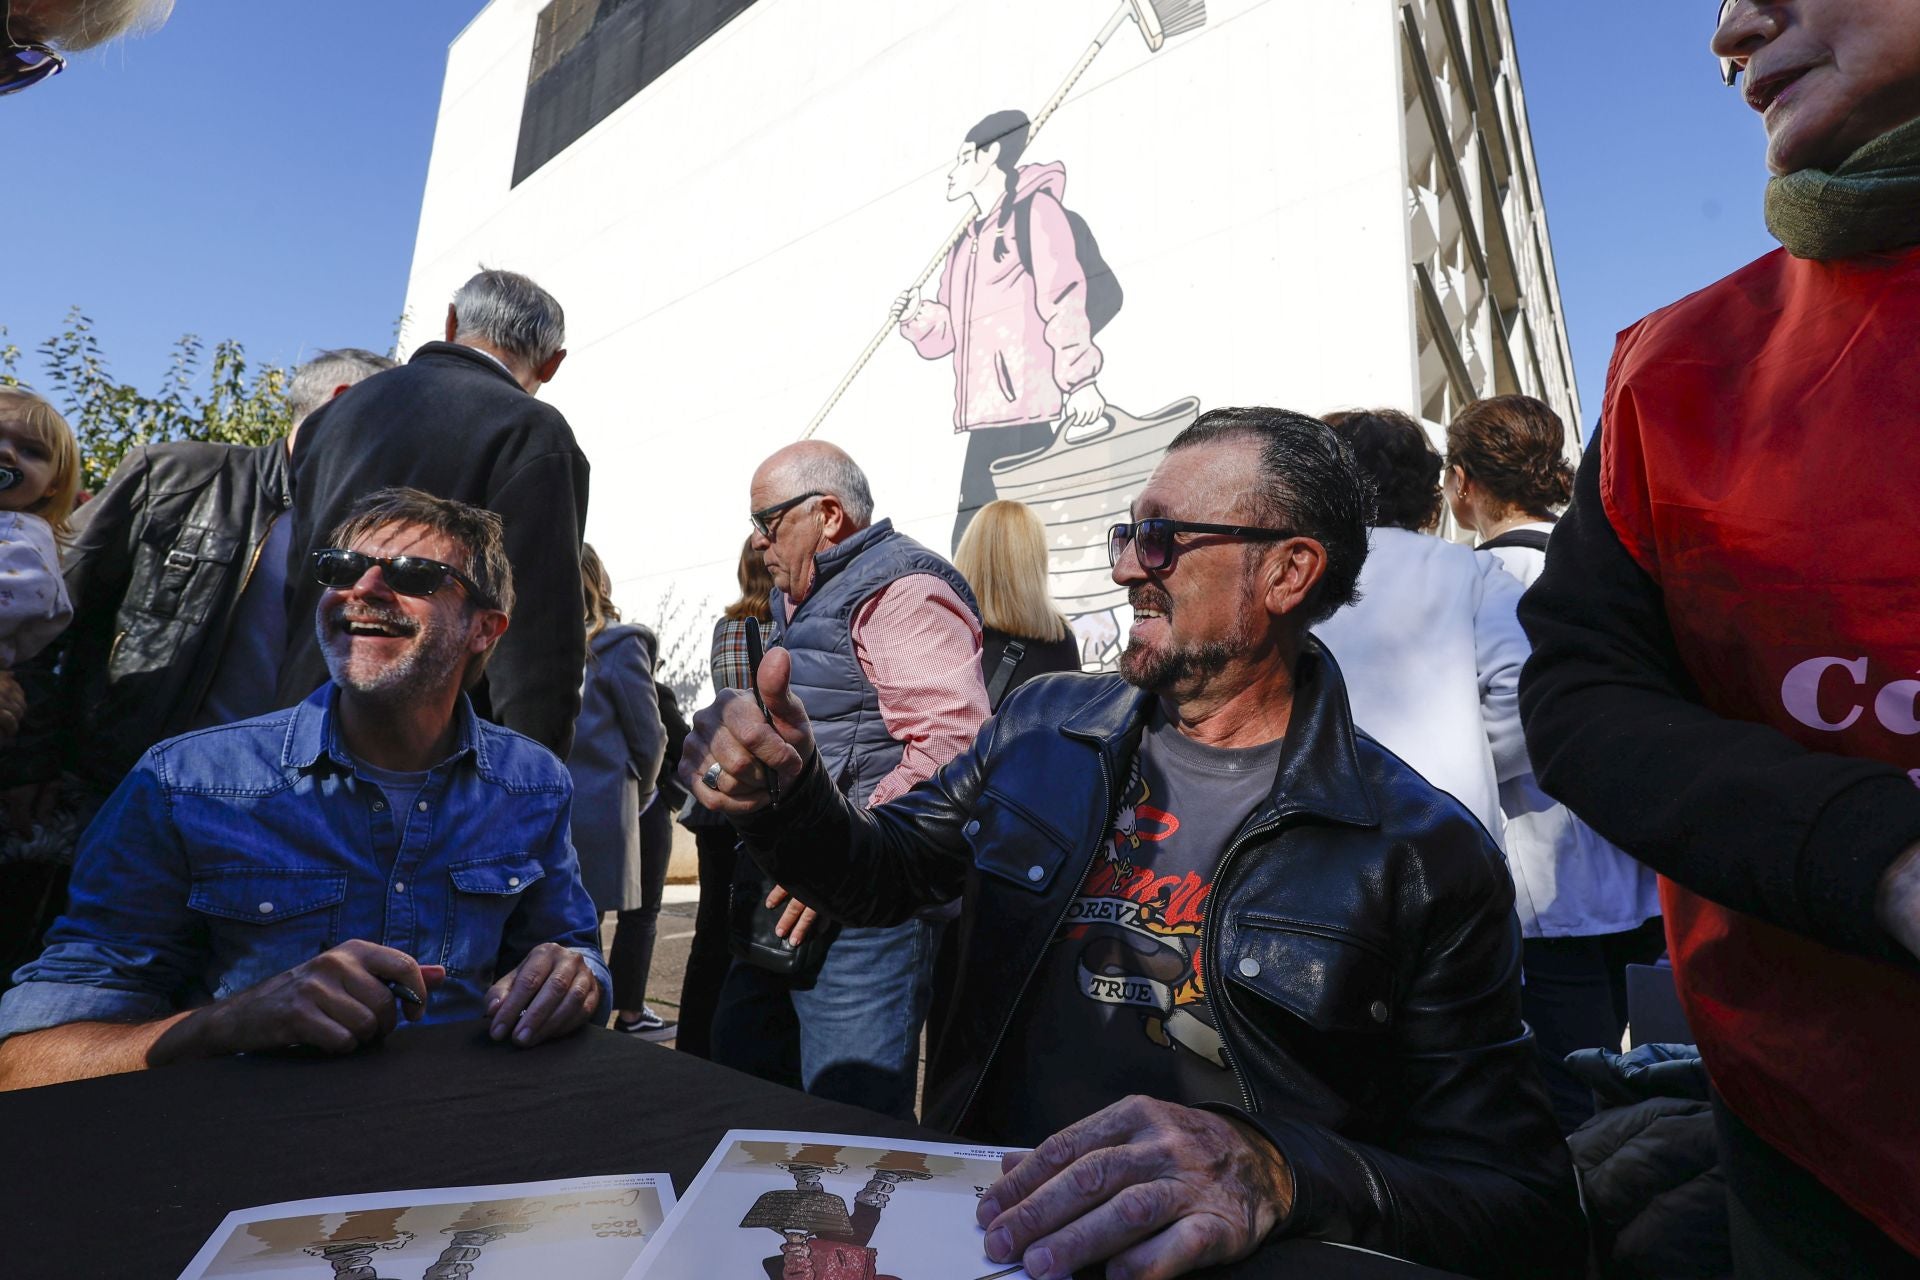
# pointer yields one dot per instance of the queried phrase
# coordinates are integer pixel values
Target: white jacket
(33, 596)
(1568, 882)
(1432, 655)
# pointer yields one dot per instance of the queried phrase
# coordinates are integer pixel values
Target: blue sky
(254, 170)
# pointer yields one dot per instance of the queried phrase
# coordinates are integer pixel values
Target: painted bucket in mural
(1080, 488)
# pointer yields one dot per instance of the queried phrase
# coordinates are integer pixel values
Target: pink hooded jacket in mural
(1020, 339)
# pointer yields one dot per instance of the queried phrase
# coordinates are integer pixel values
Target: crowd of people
(1290, 926)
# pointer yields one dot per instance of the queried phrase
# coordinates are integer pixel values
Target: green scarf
(1869, 203)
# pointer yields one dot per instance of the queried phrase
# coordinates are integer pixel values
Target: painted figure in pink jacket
(1023, 355)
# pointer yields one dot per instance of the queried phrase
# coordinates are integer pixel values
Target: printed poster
(577, 1228)
(769, 1204)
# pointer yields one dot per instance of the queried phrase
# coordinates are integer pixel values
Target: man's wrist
(198, 1033)
(1897, 905)
(1278, 1187)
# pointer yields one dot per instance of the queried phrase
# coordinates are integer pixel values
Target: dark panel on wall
(589, 56)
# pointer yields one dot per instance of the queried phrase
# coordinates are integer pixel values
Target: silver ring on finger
(712, 776)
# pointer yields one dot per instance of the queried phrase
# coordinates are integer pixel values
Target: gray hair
(506, 310)
(314, 382)
(835, 473)
(82, 24)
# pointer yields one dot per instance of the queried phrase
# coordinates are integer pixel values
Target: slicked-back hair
(314, 382)
(505, 309)
(1309, 482)
(478, 533)
(839, 475)
(1394, 450)
(82, 24)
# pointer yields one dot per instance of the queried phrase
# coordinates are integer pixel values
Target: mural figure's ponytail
(1010, 129)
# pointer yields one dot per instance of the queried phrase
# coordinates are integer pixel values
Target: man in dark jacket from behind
(1237, 969)
(176, 576)
(460, 421)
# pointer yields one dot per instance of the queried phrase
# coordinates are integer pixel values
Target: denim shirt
(232, 854)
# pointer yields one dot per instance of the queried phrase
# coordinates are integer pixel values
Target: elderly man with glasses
(33, 31)
(1235, 968)
(311, 876)
(1726, 634)
(884, 641)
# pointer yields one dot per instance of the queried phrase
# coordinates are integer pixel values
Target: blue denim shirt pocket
(262, 921)
(485, 893)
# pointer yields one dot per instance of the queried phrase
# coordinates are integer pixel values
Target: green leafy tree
(110, 417)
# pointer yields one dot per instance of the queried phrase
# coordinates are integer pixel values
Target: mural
(1024, 289)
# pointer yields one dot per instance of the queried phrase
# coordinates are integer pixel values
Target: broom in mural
(1157, 21)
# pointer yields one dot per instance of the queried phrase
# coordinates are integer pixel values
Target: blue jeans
(854, 1036)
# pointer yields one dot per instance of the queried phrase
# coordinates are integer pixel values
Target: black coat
(1360, 948)
(155, 572)
(453, 423)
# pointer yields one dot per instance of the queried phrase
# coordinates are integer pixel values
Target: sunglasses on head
(23, 64)
(409, 575)
(1153, 543)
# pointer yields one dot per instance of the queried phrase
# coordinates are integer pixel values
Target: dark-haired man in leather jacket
(1235, 967)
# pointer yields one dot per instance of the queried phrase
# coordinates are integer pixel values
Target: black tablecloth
(125, 1177)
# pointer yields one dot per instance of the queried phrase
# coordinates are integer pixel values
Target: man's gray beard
(1163, 670)
(436, 649)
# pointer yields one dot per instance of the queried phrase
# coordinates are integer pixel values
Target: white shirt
(33, 596)
(1432, 655)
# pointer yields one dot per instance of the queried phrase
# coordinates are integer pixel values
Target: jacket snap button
(972, 828)
(513, 882)
(1249, 968)
(266, 908)
(1036, 874)
(1379, 1010)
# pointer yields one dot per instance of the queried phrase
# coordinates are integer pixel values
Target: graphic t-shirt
(1119, 1005)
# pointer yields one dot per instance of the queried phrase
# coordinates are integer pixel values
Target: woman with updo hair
(1507, 473)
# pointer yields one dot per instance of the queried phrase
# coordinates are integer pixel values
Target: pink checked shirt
(919, 645)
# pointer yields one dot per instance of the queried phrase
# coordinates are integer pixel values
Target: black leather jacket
(155, 572)
(1360, 947)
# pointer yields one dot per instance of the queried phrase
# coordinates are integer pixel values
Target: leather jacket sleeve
(1474, 1177)
(871, 866)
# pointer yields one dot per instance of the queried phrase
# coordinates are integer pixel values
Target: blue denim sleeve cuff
(601, 976)
(35, 1006)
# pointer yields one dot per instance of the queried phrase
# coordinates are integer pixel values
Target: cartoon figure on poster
(1023, 292)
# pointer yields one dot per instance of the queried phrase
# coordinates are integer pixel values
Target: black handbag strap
(1010, 658)
(1531, 539)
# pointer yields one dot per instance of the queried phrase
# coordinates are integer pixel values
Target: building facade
(1311, 203)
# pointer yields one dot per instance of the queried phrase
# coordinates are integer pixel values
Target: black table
(125, 1177)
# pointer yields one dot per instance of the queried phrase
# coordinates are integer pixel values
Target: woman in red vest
(1727, 635)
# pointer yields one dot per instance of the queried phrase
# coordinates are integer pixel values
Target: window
(590, 56)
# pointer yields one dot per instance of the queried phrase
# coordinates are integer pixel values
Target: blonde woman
(618, 743)
(1003, 557)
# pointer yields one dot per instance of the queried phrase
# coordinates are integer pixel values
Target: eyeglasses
(1153, 540)
(766, 518)
(409, 575)
(23, 65)
(1729, 69)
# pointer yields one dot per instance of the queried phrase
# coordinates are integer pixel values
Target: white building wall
(726, 241)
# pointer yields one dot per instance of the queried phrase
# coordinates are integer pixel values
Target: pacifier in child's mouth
(9, 477)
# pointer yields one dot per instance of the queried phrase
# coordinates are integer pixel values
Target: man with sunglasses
(1726, 634)
(884, 640)
(311, 876)
(1235, 968)
(31, 32)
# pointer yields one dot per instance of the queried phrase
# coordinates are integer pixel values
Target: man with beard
(1235, 968)
(306, 877)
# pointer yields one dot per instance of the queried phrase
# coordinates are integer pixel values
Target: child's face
(22, 449)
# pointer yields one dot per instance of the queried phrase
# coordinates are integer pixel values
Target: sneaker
(648, 1026)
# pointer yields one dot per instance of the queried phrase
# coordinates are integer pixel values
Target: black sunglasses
(409, 575)
(23, 65)
(1729, 69)
(766, 517)
(1153, 540)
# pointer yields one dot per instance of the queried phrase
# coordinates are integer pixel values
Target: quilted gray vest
(853, 740)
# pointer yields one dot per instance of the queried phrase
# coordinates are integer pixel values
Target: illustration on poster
(1023, 290)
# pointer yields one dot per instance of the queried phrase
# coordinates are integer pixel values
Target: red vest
(1761, 460)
